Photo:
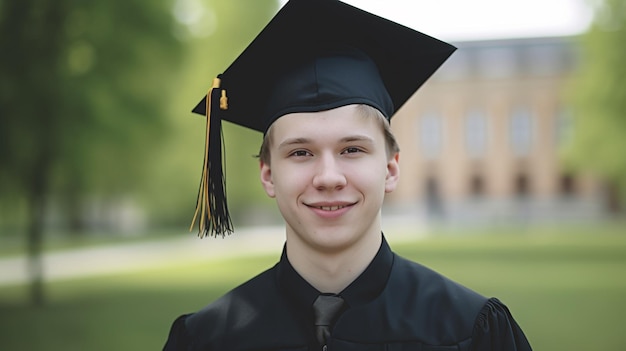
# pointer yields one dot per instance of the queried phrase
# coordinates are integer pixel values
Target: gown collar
(363, 289)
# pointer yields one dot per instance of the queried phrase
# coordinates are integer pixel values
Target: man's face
(329, 172)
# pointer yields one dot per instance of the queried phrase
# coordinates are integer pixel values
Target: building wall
(482, 136)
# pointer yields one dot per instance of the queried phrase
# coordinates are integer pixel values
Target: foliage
(79, 100)
(216, 32)
(102, 91)
(599, 98)
(81, 94)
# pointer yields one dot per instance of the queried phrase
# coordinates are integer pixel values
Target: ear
(266, 179)
(393, 173)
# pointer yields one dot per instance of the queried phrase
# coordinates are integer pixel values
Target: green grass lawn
(567, 289)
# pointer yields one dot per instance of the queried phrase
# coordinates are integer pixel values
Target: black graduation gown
(394, 305)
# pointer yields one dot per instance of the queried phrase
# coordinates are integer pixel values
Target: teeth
(330, 208)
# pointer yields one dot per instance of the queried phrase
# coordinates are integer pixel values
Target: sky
(458, 20)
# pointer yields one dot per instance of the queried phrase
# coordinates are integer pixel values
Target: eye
(351, 150)
(300, 153)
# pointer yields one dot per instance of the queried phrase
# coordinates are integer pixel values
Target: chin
(333, 240)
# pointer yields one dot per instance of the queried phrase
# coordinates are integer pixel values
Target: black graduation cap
(314, 55)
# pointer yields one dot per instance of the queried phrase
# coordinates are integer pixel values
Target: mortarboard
(314, 55)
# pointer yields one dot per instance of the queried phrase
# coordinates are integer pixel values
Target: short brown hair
(366, 111)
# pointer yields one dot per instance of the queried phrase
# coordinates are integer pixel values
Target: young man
(322, 81)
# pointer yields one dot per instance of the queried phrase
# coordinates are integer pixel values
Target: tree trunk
(36, 217)
(74, 213)
(37, 190)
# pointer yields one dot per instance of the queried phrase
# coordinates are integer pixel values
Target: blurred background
(513, 166)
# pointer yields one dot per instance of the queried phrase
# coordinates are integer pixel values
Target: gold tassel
(203, 204)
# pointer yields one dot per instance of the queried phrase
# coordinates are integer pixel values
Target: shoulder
(453, 313)
(237, 310)
(434, 289)
(495, 329)
(242, 304)
(439, 309)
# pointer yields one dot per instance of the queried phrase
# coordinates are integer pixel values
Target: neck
(331, 271)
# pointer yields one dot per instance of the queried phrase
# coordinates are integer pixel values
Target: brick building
(480, 141)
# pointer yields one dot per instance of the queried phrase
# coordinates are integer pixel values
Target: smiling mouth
(329, 208)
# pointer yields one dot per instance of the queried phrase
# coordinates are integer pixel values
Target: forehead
(327, 125)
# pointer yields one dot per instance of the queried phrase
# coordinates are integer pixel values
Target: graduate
(322, 81)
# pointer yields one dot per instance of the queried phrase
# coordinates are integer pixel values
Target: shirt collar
(363, 289)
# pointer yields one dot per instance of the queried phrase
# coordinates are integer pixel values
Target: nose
(328, 174)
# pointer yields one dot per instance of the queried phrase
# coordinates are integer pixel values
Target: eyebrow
(346, 139)
(358, 137)
(294, 141)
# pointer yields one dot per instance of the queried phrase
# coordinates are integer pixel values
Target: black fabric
(395, 304)
(327, 79)
(399, 61)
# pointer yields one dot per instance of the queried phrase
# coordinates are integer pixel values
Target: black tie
(326, 308)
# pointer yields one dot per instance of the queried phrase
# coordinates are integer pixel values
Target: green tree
(599, 98)
(82, 92)
(216, 32)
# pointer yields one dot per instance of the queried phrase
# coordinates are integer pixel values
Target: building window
(477, 186)
(434, 204)
(567, 186)
(520, 131)
(522, 186)
(476, 133)
(430, 135)
(545, 59)
(563, 127)
(496, 62)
